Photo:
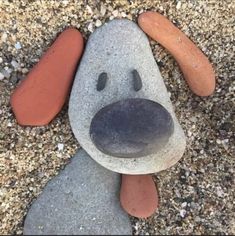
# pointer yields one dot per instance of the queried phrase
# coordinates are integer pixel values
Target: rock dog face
(119, 108)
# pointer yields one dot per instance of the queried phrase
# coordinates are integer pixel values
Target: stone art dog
(122, 116)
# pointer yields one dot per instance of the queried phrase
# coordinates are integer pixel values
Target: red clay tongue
(138, 195)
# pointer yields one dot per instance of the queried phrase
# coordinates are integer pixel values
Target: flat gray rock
(82, 199)
(118, 65)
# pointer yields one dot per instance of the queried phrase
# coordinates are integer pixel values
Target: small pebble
(1, 60)
(6, 73)
(1, 76)
(115, 13)
(65, 2)
(8, 70)
(98, 23)
(60, 146)
(90, 27)
(15, 64)
(178, 6)
(14, 79)
(189, 133)
(123, 14)
(102, 10)
(218, 141)
(4, 37)
(89, 9)
(183, 213)
(18, 45)
(24, 70)
(220, 192)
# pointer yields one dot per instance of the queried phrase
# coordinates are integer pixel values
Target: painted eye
(137, 82)
(103, 77)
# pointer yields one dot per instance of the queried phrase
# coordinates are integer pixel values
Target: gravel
(204, 178)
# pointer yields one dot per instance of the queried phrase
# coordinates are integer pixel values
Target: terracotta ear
(41, 96)
(195, 66)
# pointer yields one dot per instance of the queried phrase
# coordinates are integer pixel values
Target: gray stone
(131, 128)
(118, 48)
(82, 199)
(101, 81)
(137, 81)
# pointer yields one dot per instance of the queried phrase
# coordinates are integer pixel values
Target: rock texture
(203, 179)
(195, 66)
(82, 199)
(40, 97)
(131, 128)
(138, 195)
(118, 48)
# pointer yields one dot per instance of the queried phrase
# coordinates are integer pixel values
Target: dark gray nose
(131, 128)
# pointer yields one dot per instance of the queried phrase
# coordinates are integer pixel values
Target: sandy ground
(197, 194)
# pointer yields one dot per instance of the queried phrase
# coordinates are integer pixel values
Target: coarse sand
(197, 194)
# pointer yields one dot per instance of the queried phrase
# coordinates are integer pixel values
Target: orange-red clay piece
(138, 195)
(41, 96)
(195, 66)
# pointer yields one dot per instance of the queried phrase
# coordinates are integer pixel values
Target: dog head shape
(119, 109)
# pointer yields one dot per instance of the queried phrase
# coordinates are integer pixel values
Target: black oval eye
(103, 77)
(137, 82)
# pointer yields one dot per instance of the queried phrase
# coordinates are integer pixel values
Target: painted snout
(131, 128)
